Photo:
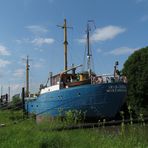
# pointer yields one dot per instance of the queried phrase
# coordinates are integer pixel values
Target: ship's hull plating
(98, 100)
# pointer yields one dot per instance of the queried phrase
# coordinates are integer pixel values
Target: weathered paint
(97, 100)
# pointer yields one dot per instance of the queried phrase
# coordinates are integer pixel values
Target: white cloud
(99, 50)
(107, 33)
(19, 73)
(50, 1)
(4, 63)
(39, 49)
(20, 41)
(122, 51)
(39, 41)
(139, 1)
(42, 41)
(144, 18)
(36, 29)
(103, 34)
(82, 40)
(4, 51)
(15, 88)
(38, 65)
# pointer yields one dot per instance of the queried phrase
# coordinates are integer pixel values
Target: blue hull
(97, 100)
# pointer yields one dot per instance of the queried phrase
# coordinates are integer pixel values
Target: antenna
(65, 42)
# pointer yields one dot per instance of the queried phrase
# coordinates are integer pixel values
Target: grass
(28, 134)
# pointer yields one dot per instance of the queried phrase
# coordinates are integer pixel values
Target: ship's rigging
(88, 58)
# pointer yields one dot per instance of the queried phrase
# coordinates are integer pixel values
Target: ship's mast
(65, 43)
(88, 50)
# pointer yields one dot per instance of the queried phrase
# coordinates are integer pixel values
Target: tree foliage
(16, 102)
(16, 99)
(136, 70)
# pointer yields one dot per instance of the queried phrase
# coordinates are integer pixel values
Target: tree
(16, 102)
(136, 71)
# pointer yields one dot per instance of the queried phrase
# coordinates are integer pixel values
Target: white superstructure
(50, 88)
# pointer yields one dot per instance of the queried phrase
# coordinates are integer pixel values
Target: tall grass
(28, 134)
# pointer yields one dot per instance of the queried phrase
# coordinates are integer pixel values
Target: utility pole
(27, 75)
(1, 100)
(8, 93)
(65, 43)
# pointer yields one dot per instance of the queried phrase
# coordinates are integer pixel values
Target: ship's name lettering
(116, 88)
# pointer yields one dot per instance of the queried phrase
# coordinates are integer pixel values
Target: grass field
(28, 134)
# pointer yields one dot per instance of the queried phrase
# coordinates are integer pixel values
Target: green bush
(136, 70)
(74, 116)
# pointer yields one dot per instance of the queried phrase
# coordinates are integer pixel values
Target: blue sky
(29, 27)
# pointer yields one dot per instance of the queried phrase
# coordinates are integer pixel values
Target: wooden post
(6, 98)
(23, 101)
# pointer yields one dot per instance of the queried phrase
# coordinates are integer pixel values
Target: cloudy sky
(29, 27)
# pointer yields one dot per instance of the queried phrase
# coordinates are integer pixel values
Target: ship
(98, 96)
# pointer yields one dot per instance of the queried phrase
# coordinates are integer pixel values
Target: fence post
(23, 101)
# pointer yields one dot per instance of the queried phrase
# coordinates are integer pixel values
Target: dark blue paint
(94, 99)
